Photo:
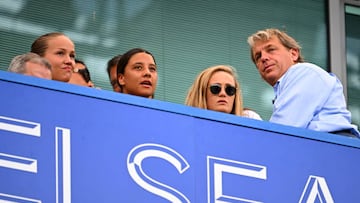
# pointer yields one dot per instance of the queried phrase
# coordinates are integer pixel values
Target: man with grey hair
(31, 64)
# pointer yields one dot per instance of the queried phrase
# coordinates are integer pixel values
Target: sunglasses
(216, 89)
(84, 73)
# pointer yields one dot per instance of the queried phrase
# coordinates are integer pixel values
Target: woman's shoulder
(251, 114)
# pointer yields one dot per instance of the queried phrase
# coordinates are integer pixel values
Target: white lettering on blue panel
(216, 167)
(143, 151)
(316, 190)
(63, 165)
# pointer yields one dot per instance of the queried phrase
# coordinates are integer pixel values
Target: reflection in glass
(352, 23)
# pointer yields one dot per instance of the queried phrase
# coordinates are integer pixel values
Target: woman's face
(140, 76)
(222, 101)
(61, 55)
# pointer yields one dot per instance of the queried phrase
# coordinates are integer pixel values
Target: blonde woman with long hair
(217, 88)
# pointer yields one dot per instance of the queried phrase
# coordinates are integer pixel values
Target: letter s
(143, 151)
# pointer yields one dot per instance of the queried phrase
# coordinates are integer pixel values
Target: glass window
(184, 36)
(352, 32)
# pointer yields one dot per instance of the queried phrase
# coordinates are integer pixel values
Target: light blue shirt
(307, 96)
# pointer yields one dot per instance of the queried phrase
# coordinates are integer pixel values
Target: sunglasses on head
(216, 89)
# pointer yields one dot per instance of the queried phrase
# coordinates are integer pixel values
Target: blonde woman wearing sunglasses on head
(216, 88)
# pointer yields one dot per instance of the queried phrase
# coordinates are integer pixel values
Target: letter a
(316, 189)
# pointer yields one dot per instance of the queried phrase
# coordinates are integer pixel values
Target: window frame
(337, 38)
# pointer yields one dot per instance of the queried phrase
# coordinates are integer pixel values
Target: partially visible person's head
(216, 88)
(59, 50)
(137, 73)
(111, 70)
(81, 75)
(273, 53)
(31, 64)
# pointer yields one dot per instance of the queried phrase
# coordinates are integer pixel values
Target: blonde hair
(196, 96)
(267, 34)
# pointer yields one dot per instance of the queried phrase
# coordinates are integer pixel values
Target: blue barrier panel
(66, 143)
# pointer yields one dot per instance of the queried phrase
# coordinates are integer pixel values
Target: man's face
(273, 59)
(113, 79)
(77, 78)
(37, 70)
